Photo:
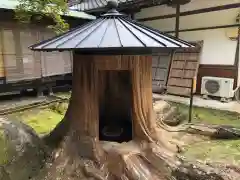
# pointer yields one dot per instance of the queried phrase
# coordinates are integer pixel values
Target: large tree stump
(149, 156)
(89, 80)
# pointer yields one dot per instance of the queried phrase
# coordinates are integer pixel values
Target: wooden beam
(204, 28)
(198, 11)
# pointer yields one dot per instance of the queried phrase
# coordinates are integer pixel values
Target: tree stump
(101, 90)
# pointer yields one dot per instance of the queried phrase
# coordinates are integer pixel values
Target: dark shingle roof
(98, 5)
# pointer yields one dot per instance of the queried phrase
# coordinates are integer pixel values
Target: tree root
(135, 161)
(168, 119)
(212, 131)
(130, 161)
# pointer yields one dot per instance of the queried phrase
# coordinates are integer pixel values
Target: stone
(160, 106)
(22, 151)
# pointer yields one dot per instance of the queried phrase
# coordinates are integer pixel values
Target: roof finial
(112, 4)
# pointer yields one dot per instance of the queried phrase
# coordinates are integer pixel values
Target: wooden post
(236, 63)
(191, 102)
(177, 20)
(133, 16)
(50, 90)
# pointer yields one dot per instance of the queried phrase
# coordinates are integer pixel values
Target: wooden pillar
(177, 20)
(237, 49)
(18, 50)
(236, 62)
(133, 16)
(237, 56)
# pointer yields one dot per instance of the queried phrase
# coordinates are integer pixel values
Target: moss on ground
(63, 94)
(42, 121)
(59, 108)
(209, 116)
(3, 151)
(221, 151)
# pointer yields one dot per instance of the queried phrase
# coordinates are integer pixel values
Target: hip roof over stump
(112, 33)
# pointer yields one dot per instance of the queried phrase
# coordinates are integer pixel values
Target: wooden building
(20, 68)
(213, 23)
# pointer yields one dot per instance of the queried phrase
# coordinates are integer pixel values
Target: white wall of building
(217, 47)
(194, 5)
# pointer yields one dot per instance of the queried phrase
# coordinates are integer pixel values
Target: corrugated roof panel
(107, 39)
(145, 38)
(126, 34)
(158, 38)
(94, 38)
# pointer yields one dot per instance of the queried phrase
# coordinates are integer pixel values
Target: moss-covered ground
(223, 151)
(43, 120)
(209, 116)
(3, 150)
(63, 94)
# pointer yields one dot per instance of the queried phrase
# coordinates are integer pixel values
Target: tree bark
(77, 135)
(82, 116)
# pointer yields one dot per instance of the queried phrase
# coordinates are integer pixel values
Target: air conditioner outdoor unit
(219, 87)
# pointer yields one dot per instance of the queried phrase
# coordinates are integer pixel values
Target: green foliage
(54, 9)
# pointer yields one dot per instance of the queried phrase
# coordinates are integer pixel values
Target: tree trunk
(112, 87)
(91, 76)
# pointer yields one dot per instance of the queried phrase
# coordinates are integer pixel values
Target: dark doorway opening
(115, 106)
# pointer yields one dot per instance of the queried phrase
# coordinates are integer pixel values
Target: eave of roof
(115, 33)
(11, 5)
